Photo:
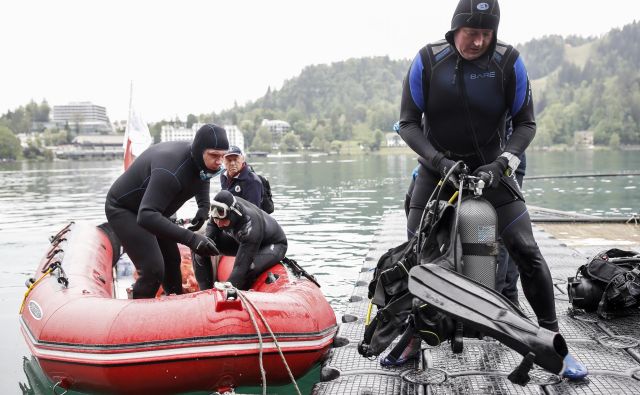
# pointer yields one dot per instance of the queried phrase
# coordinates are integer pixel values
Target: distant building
(172, 133)
(394, 140)
(26, 138)
(107, 140)
(181, 133)
(276, 127)
(235, 136)
(583, 138)
(83, 117)
(94, 147)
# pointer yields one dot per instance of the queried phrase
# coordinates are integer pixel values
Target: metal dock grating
(610, 349)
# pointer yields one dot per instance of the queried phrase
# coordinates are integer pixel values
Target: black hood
(236, 217)
(209, 136)
(477, 14)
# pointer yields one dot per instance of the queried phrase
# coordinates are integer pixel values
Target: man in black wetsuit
(157, 184)
(241, 229)
(239, 179)
(466, 86)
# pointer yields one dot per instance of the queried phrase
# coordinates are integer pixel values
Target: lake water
(329, 207)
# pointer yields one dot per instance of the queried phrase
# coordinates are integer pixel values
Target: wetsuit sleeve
(250, 238)
(520, 104)
(202, 196)
(162, 188)
(412, 108)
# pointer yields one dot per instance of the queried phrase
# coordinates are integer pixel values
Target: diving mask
(221, 210)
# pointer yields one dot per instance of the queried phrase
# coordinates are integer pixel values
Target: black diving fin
(486, 311)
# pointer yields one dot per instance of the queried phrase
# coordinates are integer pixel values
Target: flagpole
(130, 99)
(127, 141)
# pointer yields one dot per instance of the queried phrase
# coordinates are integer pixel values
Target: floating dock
(609, 348)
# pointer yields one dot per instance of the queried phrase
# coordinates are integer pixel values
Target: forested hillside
(342, 101)
(602, 96)
(579, 84)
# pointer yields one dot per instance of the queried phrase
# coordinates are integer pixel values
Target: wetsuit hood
(236, 213)
(477, 14)
(209, 136)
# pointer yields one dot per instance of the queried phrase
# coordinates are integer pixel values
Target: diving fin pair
(483, 309)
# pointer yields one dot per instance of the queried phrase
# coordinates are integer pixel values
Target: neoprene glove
(201, 217)
(445, 164)
(492, 173)
(203, 245)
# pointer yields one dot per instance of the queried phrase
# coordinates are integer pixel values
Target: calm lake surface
(329, 206)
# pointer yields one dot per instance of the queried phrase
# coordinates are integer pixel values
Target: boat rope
(263, 374)
(275, 341)
(32, 286)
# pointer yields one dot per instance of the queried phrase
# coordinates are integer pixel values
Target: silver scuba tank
(477, 228)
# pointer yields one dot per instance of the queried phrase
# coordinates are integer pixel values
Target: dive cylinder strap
(487, 249)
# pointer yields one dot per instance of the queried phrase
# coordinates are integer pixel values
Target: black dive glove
(201, 217)
(445, 164)
(492, 173)
(203, 245)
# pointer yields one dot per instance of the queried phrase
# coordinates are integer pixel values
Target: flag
(136, 135)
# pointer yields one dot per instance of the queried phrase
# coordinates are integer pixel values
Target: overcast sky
(192, 56)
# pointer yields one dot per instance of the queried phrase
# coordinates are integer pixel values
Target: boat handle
(59, 384)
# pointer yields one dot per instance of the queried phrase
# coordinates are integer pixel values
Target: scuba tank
(477, 228)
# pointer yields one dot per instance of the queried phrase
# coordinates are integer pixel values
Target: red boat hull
(89, 341)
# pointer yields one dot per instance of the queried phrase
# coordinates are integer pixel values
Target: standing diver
(153, 188)
(466, 86)
(241, 229)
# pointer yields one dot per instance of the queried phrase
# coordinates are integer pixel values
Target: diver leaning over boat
(241, 229)
(153, 188)
(466, 86)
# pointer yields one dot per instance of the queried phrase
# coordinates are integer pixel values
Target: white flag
(136, 136)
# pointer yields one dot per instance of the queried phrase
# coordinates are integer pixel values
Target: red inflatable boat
(87, 340)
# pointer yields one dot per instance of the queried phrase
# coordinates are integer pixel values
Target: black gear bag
(608, 284)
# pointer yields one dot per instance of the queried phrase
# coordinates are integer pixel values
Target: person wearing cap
(154, 187)
(466, 86)
(239, 179)
(241, 229)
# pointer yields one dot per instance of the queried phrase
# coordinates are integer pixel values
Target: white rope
(263, 374)
(266, 324)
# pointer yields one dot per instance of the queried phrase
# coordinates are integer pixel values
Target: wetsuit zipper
(462, 92)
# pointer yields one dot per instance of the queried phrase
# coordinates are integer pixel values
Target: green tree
(290, 142)
(336, 146)
(9, 144)
(614, 141)
(263, 140)
(248, 131)
(320, 144)
(378, 137)
(191, 119)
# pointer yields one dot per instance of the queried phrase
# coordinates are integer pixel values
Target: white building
(394, 140)
(235, 136)
(276, 127)
(83, 117)
(172, 133)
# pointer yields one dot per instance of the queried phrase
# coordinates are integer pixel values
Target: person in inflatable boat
(241, 229)
(151, 190)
